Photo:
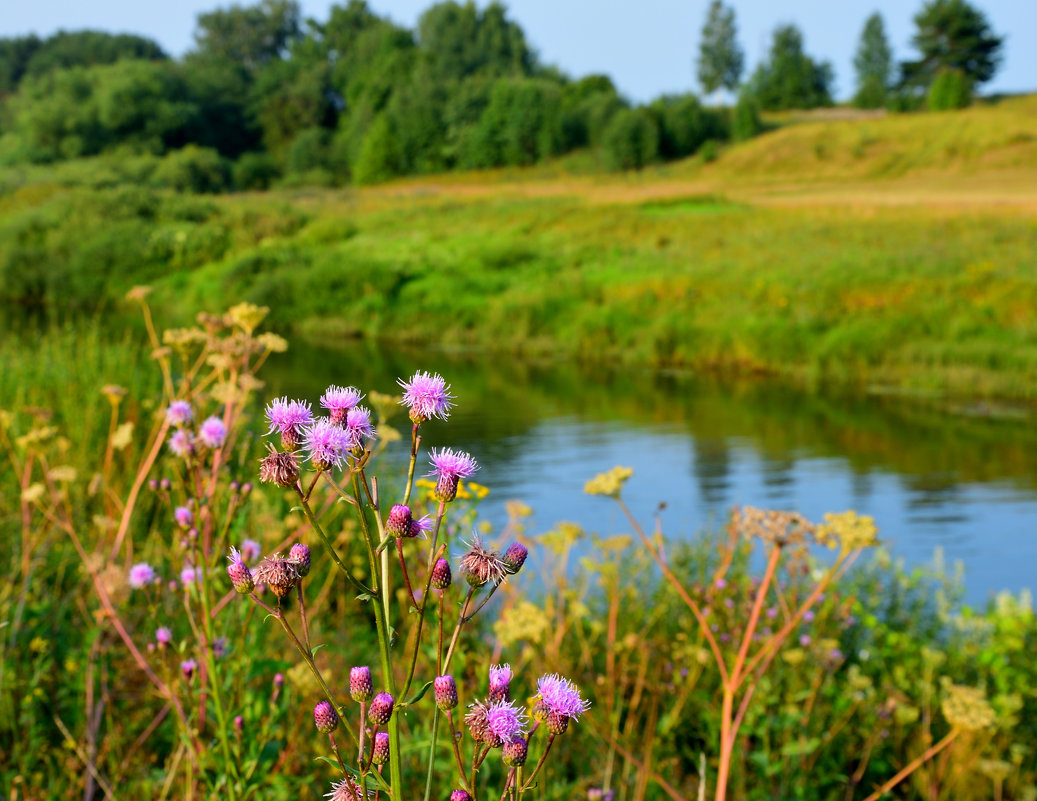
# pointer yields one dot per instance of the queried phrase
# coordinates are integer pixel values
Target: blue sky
(647, 46)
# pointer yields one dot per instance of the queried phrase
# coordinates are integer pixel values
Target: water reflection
(931, 478)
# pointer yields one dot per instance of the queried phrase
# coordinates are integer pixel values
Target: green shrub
(308, 151)
(631, 140)
(746, 122)
(684, 125)
(950, 89)
(192, 169)
(256, 170)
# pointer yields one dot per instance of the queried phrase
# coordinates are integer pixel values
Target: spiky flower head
(240, 576)
(359, 427)
(381, 708)
(184, 516)
(288, 418)
(397, 524)
(180, 443)
(441, 577)
(338, 401)
(500, 683)
(325, 718)
(420, 526)
(212, 433)
(163, 636)
(504, 721)
(141, 575)
(476, 721)
(449, 467)
(279, 468)
(481, 565)
(300, 555)
(515, 752)
(445, 690)
(380, 753)
(278, 573)
(360, 687)
(560, 699)
(326, 444)
(460, 795)
(426, 396)
(179, 413)
(346, 790)
(188, 668)
(515, 556)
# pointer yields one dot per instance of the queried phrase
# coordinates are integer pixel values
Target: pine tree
(721, 60)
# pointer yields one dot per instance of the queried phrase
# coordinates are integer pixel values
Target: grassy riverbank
(892, 252)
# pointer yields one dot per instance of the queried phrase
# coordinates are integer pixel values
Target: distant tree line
(266, 96)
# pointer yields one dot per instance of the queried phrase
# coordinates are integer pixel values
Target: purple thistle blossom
(397, 524)
(212, 432)
(561, 696)
(339, 400)
(180, 443)
(250, 550)
(359, 426)
(421, 526)
(450, 467)
(289, 418)
(188, 668)
(505, 720)
(326, 444)
(183, 516)
(427, 396)
(346, 790)
(179, 413)
(190, 574)
(141, 575)
(240, 576)
(163, 635)
(500, 681)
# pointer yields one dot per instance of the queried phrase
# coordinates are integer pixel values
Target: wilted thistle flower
(141, 575)
(338, 401)
(380, 753)
(481, 566)
(475, 720)
(359, 427)
(346, 790)
(445, 690)
(279, 574)
(360, 688)
(250, 550)
(460, 795)
(212, 432)
(325, 718)
(163, 636)
(558, 702)
(450, 467)
(300, 554)
(426, 396)
(500, 682)
(179, 413)
(515, 556)
(180, 443)
(289, 418)
(397, 524)
(504, 721)
(440, 575)
(183, 516)
(240, 576)
(188, 668)
(515, 752)
(326, 444)
(279, 468)
(381, 708)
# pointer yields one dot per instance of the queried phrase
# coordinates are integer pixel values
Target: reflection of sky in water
(989, 527)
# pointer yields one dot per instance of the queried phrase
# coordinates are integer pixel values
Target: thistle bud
(440, 575)
(325, 718)
(460, 795)
(515, 557)
(380, 754)
(360, 688)
(234, 486)
(446, 487)
(446, 692)
(300, 554)
(153, 484)
(240, 576)
(278, 680)
(381, 709)
(239, 724)
(557, 722)
(515, 752)
(500, 683)
(246, 488)
(164, 484)
(398, 522)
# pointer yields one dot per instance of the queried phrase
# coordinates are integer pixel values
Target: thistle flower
(141, 575)
(515, 752)
(326, 445)
(460, 795)
(426, 396)
(279, 574)
(279, 468)
(212, 432)
(278, 680)
(450, 467)
(504, 721)
(558, 702)
(476, 721)
(397, 524)
(445, 690)
(346, 790)
(179, 413)
(219, 647)
(440, 575)
(240, 576)
(515, 556)
(338, 401)
(500, 681)
(480, 566)
(420, 527)
(163, 636)
(189, 574)
(359, 427)
(239, 724)
(180, 444)
(183, 516)
(380, 752)
(250, 550)
(381, 708)
(325, 718)
(300, 555)
(188, 668)
(360, 688)
(289, 418)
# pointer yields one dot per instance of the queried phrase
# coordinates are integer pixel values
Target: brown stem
(914, 765)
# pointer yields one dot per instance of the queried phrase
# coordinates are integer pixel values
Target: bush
(950, 89)
(192, 169)
(255, 170)
(308, 151)
(522, 125)
(746, 121)
(632, 140)
(684, 125)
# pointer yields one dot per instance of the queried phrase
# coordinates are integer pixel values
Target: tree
(249, 36)
(789, 78)
(721, 60)
(460, 41)
(874, 64)
(953, 35)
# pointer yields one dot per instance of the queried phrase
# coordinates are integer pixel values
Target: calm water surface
(963, 480)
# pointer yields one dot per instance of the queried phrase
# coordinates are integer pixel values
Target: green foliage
(721, 59)
(789, 78)
(255, 170)
(66, 49)
(631, 140)
(745, 120)
(192, 169)
(684, 125)
(950, 89)
(378, 159)
(521, 125)
(953, 35)
(873, 63)
(15, 53)
(249, 36)
(460, 41)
